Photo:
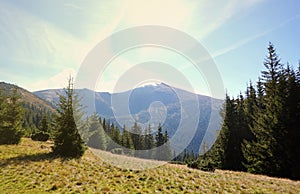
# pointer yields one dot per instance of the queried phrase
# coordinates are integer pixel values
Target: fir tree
(11, 118)
(136, 133)
(149, 142)
(44, 125)
(97, 135)
(264, 155)
(127, 142)
(67, 141)
(167, 147)
(159, 142)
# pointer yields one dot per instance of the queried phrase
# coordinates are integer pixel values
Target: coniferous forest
(260, 132)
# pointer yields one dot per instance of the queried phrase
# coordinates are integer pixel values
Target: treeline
(71, 130)
(33, 116)
(19, 118)
(101, 134)
(260, 133)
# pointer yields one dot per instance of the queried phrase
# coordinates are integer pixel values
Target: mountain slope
(30, 168)
(153, 104)
(34, 107)
(26, 96)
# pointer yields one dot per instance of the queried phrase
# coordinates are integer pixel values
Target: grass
(30, 168)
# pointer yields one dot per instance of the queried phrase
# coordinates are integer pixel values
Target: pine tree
(264, 155)
(67, 141)
(149, 142)
(84, 130)
(167, 147)
(44, 125)
(136, 134)
(295, 123)
(127, 142)
(226, 152)
(290, 87)
(82, 121)
(97, 135)
(159, 142)
(11, 114)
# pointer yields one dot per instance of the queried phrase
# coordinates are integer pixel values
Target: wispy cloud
(73, 6)
(214, 14)
(57, 81)
(33, 46)
(252, 38)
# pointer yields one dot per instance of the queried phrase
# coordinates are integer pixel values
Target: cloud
(57, 81)
(73, 6)
(40, 45)
(252, 38)
(214, 14)
(173, 13)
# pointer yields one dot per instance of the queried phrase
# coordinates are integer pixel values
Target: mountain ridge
(152, 104)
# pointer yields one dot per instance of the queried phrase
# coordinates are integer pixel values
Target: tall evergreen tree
(264, 154)
(11, 118)
(97, 135)
(159, 142)
(127, 142)
(136, 135)
(67, 141)
(167, 147)
(44, 124)
(149, 142)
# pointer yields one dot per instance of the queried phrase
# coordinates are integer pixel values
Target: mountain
(26, 96)
(34, 106)
(172, 107)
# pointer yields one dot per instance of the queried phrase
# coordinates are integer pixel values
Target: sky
(44, 42)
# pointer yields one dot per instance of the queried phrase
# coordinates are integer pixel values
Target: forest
(260, 132)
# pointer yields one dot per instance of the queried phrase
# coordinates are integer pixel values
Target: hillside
(27, 97)
(153, 104)
(30, 168)
(33, 107)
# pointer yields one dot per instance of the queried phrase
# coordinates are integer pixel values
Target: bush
(193, 164)
(40, 136)
(204, 165)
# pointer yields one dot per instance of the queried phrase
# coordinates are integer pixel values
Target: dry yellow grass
(29, 168)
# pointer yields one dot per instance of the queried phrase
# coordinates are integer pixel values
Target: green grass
(30, 168)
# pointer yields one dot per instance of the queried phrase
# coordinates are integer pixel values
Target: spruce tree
(127, 142)
(84, 130)
(264, 155)
(44, 124)
(167, 147)
(11, 114)
(136, 133)
(149, 142)
(97, 135)
(291, 116)
(159, 142)
(67, 141)
(226, 152)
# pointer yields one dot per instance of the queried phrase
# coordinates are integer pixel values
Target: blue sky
(42, 42)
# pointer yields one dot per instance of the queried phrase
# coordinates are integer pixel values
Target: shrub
(117, 151)
(40, 136)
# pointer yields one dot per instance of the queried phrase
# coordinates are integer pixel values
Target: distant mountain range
(153, 104)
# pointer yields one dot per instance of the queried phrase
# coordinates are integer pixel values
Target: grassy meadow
(30, 168)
